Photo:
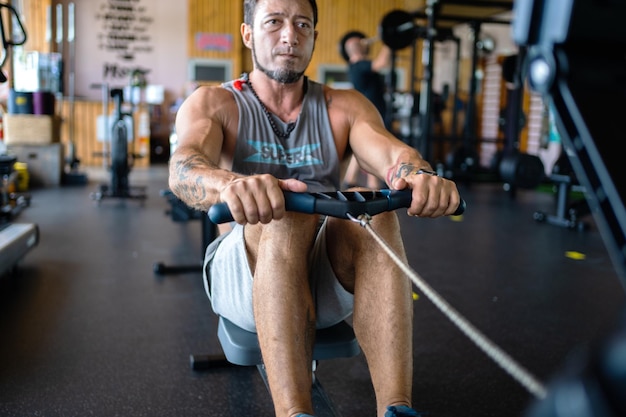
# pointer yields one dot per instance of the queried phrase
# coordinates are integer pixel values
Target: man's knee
(348, 243)
(386, 221)
(345, 232)
(285, 243)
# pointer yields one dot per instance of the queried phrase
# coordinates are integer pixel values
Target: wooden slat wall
(336, 17)
(492, 98)
(219, 17)
(88, 148)
(494, 88)
(222, 17)
(34, 20)
(85, 114)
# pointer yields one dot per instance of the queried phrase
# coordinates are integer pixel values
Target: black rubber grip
(336, 204)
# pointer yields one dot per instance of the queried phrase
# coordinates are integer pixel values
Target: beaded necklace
(270, 118)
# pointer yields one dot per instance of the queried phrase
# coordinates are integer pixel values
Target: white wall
(155, 33)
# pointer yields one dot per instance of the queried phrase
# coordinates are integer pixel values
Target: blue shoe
(304, 415)
(401, 411)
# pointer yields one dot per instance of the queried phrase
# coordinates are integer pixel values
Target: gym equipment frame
(576, 52)
(180, 212)
(399, 30)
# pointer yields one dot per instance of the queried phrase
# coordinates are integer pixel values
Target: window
(209, 70)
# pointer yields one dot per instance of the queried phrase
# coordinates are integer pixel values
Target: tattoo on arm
(403, 169)
(400, 171)
(189, 184)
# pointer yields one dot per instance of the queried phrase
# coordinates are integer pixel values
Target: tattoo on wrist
(405, 169)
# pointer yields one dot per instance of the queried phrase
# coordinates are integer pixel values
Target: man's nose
(289, 35)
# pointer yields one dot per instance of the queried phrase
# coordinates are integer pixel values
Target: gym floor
(87, 328)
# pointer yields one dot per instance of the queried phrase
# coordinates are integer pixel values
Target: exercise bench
(180, 212)
(568, 213)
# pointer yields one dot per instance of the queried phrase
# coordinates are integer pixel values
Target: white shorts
(228, 282)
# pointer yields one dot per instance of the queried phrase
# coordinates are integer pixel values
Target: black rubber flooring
(88, 329)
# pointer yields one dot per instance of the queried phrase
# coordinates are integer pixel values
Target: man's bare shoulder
(349, 103)
(343, 93)
(212, 97)
(342, 97)
(209, 108)
(209, 104)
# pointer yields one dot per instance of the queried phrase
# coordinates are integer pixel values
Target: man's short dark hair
(249, 7)
(345, 38)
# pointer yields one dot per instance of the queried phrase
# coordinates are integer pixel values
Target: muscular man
(282, 274)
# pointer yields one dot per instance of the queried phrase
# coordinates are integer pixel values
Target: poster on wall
(124, 28)
(116, 38)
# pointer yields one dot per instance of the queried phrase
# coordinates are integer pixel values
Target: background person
(365, 75)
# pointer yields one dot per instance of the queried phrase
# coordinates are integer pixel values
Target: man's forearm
(193, 178)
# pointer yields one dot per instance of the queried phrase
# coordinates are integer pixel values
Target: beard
(281, 75)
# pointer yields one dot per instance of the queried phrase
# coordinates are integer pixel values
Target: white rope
(492, 350)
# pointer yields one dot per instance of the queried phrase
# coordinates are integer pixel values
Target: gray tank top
(309, 154)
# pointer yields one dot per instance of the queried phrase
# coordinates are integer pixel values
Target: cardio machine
(121, 132)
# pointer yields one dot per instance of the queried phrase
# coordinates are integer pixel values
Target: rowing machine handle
(336, 204)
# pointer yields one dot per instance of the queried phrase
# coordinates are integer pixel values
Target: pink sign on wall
(222, 42)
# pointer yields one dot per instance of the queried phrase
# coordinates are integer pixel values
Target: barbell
(398, 29)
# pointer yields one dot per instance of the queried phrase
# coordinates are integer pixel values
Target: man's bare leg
(283, 308)
(383, 311)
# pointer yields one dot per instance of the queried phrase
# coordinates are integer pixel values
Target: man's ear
(246, 35)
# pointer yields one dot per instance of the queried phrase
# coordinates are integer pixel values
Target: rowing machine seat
(241, 347)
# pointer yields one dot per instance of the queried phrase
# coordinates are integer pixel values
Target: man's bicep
(200, 127)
